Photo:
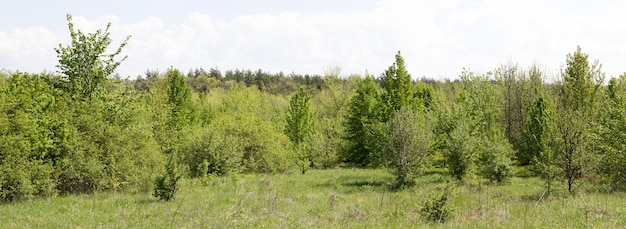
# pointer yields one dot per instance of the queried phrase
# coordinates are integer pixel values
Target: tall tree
(179, 100)
(398, 89)
(575, 120)
(513, 81)
(476, 141)
(180, 116)
(83, 63)
(613, 133)
(582, 82)
(536, 139)
(363, 114)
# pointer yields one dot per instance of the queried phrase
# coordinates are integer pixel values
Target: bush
(212, 152)
(408, 141)
(166, 185)
(494, 162)
(236, 143)
(437, 208)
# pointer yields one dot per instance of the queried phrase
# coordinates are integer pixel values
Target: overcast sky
(437, 38)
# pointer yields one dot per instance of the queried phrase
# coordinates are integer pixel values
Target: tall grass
(337, 198)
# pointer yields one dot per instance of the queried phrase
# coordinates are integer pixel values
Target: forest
(82, 130)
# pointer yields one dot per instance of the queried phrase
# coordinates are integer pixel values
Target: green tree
(582, 82)
(533, 91)
(575, 121)
(180, 117)
(84, 63)
(536, 138)
(536, 130)
(408, 141)
(398, 89)
(613, 133)
(299, 127)
(29, 136)
(473, 141)
(363, 114)
(179, 100)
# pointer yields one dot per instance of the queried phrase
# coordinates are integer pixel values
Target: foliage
(472, 139)
(459, 149)
(437, 209)
(519, 90)
(83, 132)
(398, 90)
(363, 113)
(408, 141)
(581, 82)
(299, 127)
(83, 63)
(167, 185)
(575, 122)
(537, 135)
(613, 133)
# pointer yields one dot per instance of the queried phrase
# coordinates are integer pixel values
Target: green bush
(232, 144)
(494, 162)
(437, 209)
(166, 185)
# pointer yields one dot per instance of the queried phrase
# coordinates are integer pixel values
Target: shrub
(437, 209)
(166, 185)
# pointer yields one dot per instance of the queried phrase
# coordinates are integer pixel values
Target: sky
(437, 38)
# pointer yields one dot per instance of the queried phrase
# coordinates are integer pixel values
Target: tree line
(80, 130)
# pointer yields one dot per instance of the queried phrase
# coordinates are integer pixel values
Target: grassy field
(338, 198)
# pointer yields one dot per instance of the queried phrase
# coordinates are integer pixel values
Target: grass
(337, 198)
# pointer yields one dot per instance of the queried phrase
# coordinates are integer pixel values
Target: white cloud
(27, 49)
(437, 38)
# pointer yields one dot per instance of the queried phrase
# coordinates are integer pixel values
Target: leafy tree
(519, 89)
(408, 141)
(537, 135)
(299, 127)
(581, 82)
(613, 133)
(28, 138)
(179, 99)
(536, 130)
(179, 103)
(533, 91)
(363, 114)
(84, 63)
(575, 122)
(166, 185)
(475, 141)
(398, 89)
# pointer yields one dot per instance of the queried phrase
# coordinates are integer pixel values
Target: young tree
(474, 142)
(534, 92)
(300, 127)
(582, 82)
(408, 141)
(363, 114)
(84, 63)
(179, 100)
(537, 136)
(575, 119)
(536, 130)
(398, 89)
(179, 103)
(613, 133)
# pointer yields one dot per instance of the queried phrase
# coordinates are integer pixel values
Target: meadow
(333, 198)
